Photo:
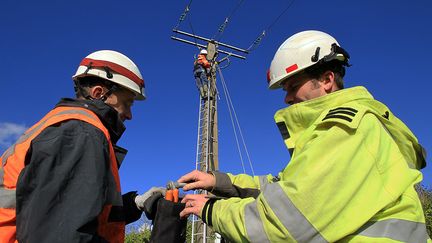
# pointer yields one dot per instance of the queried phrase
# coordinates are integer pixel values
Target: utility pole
(207, 139)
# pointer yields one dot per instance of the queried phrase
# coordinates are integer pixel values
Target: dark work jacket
(63, 187)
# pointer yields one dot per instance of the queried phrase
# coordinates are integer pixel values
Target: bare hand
(198, 180)
(194, 204)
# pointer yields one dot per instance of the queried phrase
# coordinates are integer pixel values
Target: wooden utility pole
(207, 140)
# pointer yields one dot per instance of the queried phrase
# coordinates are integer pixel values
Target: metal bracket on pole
(211, 51)
(209, 40)
(210, 44)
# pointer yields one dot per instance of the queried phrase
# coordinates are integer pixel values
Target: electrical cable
(232, 110)
(184, 14)
(183, 17)
(217, 36)
(234, 127)
(280, 15)
(193, 32)
(258, 40)
(222, 27)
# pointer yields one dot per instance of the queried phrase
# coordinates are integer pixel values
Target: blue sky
(42, 42)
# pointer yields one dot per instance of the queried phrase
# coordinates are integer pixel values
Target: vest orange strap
(12, 162)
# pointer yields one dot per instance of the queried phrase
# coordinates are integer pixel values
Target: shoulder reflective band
(396, 229)
(113, 66)
(7, 198)
(263, 182)
(29, 133)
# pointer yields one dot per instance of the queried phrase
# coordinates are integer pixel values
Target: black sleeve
(63, 187)
(225, 188)
(131, 211)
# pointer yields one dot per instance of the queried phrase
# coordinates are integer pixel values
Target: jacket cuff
(223, 185)
(131, 212)
(206, 213)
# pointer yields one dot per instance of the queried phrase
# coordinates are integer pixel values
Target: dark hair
(83, 84)
(317, 70)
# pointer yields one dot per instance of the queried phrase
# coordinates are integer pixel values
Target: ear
(96, 92)
(328, 81)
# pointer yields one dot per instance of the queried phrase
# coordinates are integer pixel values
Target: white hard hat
(301, 51)
(203, 51)
(114, 67)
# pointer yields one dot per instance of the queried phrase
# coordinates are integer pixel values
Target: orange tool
(169, 195)
(172, 193)
(175, 195)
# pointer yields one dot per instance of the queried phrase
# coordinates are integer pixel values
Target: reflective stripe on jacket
(351, 178)
(12, 162)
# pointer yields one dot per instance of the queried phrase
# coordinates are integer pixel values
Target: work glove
(147, 202)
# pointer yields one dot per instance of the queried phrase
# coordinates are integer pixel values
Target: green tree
(425, 195)
(138, 237)
(138, 232)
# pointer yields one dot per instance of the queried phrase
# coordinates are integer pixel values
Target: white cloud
(9, 133)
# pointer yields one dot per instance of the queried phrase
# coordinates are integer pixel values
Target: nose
(289, 98)
(127, 115)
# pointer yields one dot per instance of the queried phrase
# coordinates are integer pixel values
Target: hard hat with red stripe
(114, 67)
(301, 51)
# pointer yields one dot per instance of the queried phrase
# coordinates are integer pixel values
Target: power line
(258, 40)
(184, 14)
(280, 15)
(222, 27)
(195, 39)
(231, 112)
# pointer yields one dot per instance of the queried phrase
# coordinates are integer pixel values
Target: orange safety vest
(202, 60)
(12, 162)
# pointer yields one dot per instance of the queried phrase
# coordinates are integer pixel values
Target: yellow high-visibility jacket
(351, 178)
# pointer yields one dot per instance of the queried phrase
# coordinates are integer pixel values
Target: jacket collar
(300, 116)
(295, 119)
(106, 114)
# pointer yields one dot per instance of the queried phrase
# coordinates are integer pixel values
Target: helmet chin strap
(108, 93)
(79, 90)
(113, 87)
